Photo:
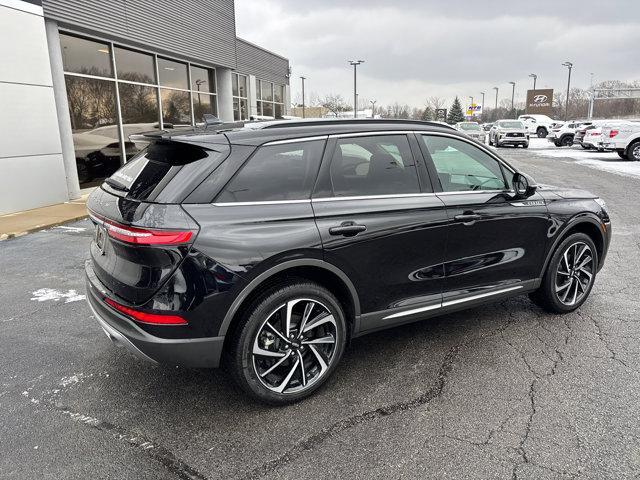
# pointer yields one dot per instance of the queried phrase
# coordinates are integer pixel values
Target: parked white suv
(509, 132)
(563, 136)
(624, 138)
(539, 125)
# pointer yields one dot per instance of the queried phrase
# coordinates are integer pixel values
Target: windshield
(513, 124)
(469, 126)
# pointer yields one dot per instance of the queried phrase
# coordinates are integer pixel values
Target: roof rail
(350, 121)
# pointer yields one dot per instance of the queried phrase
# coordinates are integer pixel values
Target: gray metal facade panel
(263, 64)
(202, 31)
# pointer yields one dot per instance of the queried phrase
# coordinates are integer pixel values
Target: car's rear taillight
(613, 133)
(144, 236)
(146, 317)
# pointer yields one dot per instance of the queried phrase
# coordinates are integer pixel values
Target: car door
(495, 243)
(381, 223)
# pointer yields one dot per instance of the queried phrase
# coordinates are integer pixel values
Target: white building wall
(31, 168)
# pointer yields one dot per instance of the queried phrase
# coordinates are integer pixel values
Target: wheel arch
(586, 224)
(324, 273)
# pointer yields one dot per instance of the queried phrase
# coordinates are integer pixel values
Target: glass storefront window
(92, 106)
(176, 108)
(267, 109)
(242, 86)
(278, 96)
(202, 80)
(139, 105)
(203, 103)
(278, 110)
(266, 91)
(134, 66)
(172, 74)
(85, 56)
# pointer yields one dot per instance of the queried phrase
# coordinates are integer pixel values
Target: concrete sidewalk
(20, 223)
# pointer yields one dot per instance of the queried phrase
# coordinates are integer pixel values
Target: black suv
(268, 246)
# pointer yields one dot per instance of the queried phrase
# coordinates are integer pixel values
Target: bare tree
(436, 102)
(334, 103)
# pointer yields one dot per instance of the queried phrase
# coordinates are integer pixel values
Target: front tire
(569, 277)
(288, 342)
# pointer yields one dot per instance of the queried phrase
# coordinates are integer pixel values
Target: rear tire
(566, 141)
(541, 132)
(264, 359)
(633, 152)
(569, 277)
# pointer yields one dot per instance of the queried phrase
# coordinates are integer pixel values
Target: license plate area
(100, 238)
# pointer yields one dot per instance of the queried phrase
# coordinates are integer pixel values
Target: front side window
(462, 166)
(276, 172)
(375, 165)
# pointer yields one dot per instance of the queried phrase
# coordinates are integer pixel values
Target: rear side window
(276, 172)
(375, 165)
(165, 172)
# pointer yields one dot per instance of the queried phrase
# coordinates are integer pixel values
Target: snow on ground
(604, 161)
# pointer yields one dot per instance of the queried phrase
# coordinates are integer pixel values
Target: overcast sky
(414, 49)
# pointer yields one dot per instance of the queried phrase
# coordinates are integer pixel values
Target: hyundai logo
(540, 98)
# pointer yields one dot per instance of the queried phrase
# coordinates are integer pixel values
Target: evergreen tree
(427, 114)
(455, 113)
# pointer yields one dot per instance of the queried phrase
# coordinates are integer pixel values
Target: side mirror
(524, 185)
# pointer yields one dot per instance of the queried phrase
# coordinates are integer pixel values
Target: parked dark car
(268, 247)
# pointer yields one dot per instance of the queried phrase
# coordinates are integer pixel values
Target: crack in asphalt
(603, 338)
(155, 451)
(340, 426)
(559, 358)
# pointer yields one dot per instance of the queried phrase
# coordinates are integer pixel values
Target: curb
(44, 226)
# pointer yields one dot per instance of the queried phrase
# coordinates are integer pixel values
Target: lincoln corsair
(266, 247)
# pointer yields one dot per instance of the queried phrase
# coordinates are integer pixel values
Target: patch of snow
(70, 229)
(623, 168)
(66, 381)
(51, 294)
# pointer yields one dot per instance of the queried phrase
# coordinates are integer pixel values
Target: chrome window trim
(466, 192)
(266, 202)
(452, 302)
(373, 197)
(295, 140)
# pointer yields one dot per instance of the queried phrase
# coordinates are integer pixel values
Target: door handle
(347, 229)
(467, 218)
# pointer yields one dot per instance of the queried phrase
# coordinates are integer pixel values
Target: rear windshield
(165, 172)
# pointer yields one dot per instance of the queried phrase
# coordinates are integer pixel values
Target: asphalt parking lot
(501, 391)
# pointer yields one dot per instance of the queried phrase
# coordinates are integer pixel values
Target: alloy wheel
(636, 152)
(574, 273)
(295, 346)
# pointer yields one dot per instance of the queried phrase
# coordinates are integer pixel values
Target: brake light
(613, 133)
(143, 236)
(145, 317)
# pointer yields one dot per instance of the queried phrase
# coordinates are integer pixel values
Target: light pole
(513, 93)
(482, 93)
(535, 77)
(569, 65)
(373, 108)
(303, 112)
(496, 89)
(198, 83)
(355, 64)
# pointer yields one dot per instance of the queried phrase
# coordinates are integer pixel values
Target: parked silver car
(509, 132)
(472, 129)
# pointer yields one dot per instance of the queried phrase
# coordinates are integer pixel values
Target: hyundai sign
(540, 101)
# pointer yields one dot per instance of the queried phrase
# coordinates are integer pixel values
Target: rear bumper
(123, 332)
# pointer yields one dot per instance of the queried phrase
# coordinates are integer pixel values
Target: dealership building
(78, 77)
